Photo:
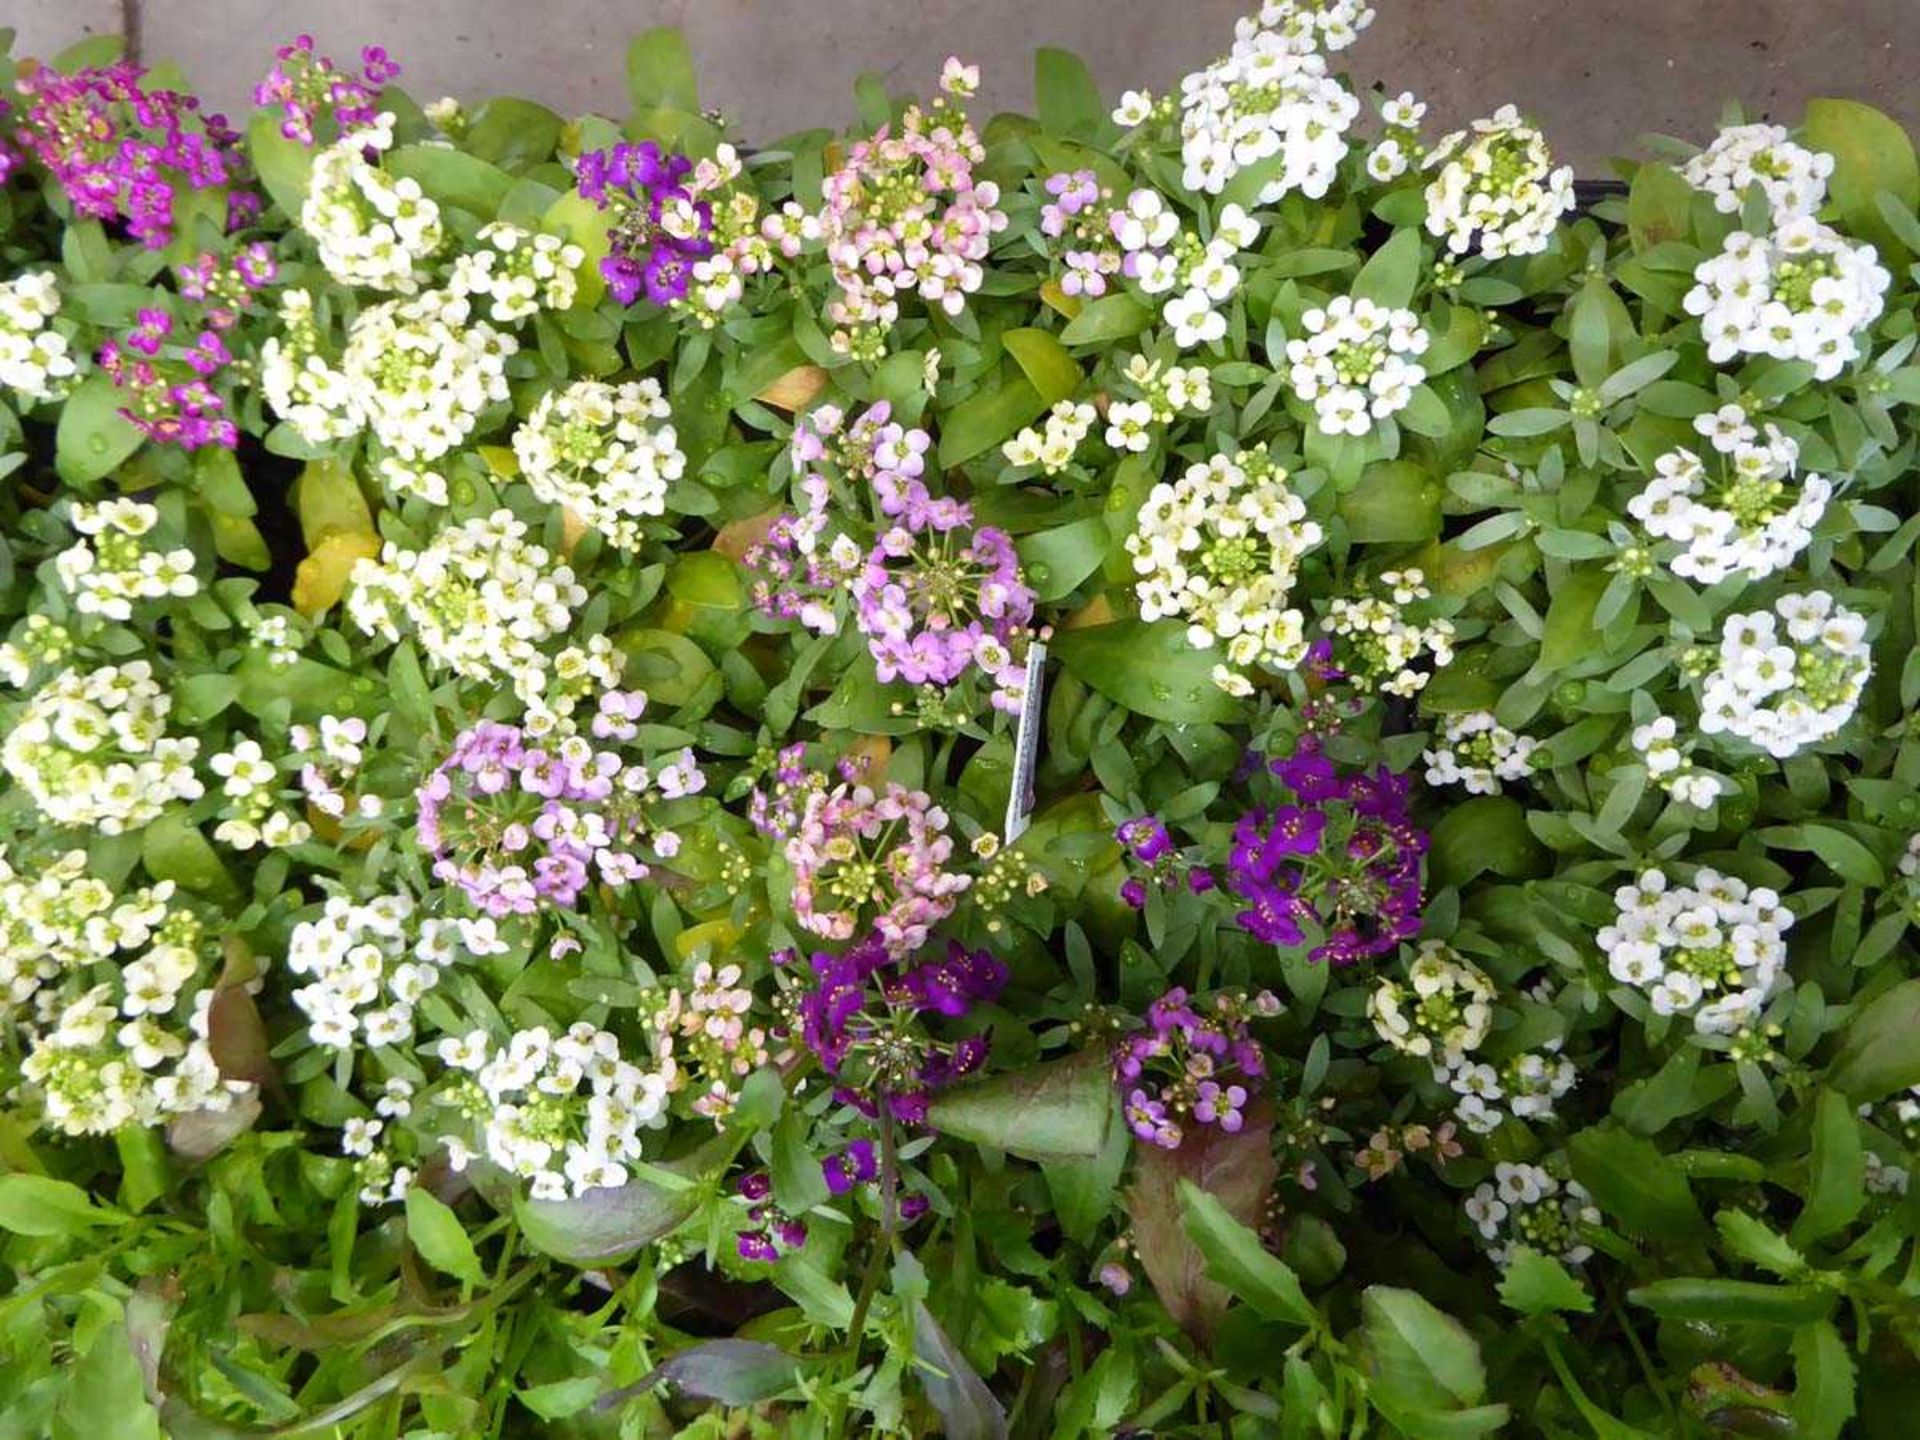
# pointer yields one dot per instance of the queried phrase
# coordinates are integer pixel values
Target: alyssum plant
(1211, 766)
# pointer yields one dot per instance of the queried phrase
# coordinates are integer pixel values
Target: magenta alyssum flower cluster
(1189, 1068)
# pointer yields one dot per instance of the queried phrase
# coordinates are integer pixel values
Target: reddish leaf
(1237, 1170)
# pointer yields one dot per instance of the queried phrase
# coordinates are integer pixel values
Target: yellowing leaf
(795, 389)
(1058, 299)
(322, 576)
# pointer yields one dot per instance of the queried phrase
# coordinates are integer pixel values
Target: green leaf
(1749, 1238)
(987, 418)
(1059, 1109)
(1150, 669)
(660, 71)
(1736, 1301)
(1823, 1383)
(41, 1205)
(733, 1372)
(1631, 1181)
(1110, 318)
(1392, 273)
(1487, 834)
(436, 1232)
(604, 1225)
(172, 848)
(953, 1387)
(1659, 207)
(284, 166)
(1568, 633)
(798, 1182)
(93, 439)
(1877, 1054)
(1056, 561)
(1419, 1359)
(453, 177)
(1395, 503)
(1836, 1171)
(1236, 1259)
(107, 1395)
(1065, 95)
(1045, 362)
(1871, 153)
(1537, 1284)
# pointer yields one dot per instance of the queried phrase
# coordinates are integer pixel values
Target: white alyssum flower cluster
(1051, 444)
(1497, 188)
(1713, 950)
(1357, 363)
(34, 359)
(420, 374)
(1802, 293)
(250, 783)
(301, 385)
(1669, 766)
(1166, 391)
(1396, 152)
(1757, 518)
(40, 642)
(1441, 1011)
(105, 577)
(1309, 25)
(1745, 157)
(1783, 692)
(1266, 103)
(520, 272)
(1477, 751)
(1219, 548)
(131, 1047)
(91, 748)
(1524, 1088)
(1527, 1205)
(480, 597)
(371, 229)
(563, 1111)
(1197, 276)
(1380, 645)
(369, 964)
(416, 373)
(606, 452)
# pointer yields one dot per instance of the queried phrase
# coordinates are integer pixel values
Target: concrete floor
(1596, 73)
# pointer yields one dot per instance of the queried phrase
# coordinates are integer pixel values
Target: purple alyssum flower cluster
(661, 228)
(306, 88)
(123, 152)
(517, 823)
(1190, 1068)
(864, 1018)
(769, 1228)
(1341, 856)
(169, 373)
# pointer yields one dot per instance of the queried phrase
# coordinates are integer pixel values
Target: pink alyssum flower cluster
(904, 216)
(863, 859)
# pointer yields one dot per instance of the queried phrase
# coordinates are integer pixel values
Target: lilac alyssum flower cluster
(1341, 856)
(661, 229)
(167, 374)
(123, 152)
(1103, 239)
(306, 88)
(864, 1019)
(516, 824)
(1188, 1068)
